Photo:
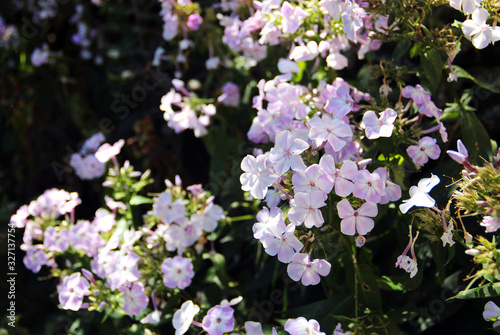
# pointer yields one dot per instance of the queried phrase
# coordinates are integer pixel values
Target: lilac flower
(282, 241)
(301, 326)
(135, 299)
(342, 178)
(35, 258)
(184, 316)
(257, 176)
(218, 320)
(419, 194)
(492, 312)
(292, 17)
(302, 268)
(479, 31)
(468, 6)
(56, 239)
(305, 208)
(286, 152)
(491, 223)
(312, 179)
(72, 290)
(356, 220)
(177, 272)
(379, 127)
(334, 131)
(369, 186)
(425, 149)
(167, 209)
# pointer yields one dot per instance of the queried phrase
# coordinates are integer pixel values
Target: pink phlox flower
(352, 18)
(112, 204)
(193, 22)
(356, 220)
(232, 302)
(183, 234)
(287, 66)
(178, 272)
(405, 262)
(91, 144)
(32, 231)
(286, 152)
(338, 330)
(85, 236)
(379, 127)
(333, 7)
(152, 318)
(492, 312)
(273, 197)
(305, 208)
(491, 223)
(281, 241)
(170, 26)
(392, 190)
(104, 221)
(461, 156)
(341, 177)
(312, 179)
(289, 101)
(72, 290)
(230, 95)
(253, 328)
(342, 103)
(209, 217)
(429, 109)
(336, 60)
(302, 268)
(292, 17)
(87, 167)
(257, 176)
(184, 316)
(56, 239)
(108, 151)
(303, 53)
(301, 326)
(425, 149)
(167, 209)
(479, 31)
(467, 6)
(35, 258)
(419, 194)
(135, 300)
(418, 94)
(369, 186)
(266, 218)
(335, 131)
(52, 203)
(19, 219)
(447, 237)
(124, 270)
(218, 320)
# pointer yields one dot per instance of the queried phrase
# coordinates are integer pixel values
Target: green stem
(241, 218)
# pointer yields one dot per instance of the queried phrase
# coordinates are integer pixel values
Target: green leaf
(461, 73)
(401, 48)
(433, 68)
(486, 291)
(139, 200)
(387, 284)
(368, 288)
(475, 137)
